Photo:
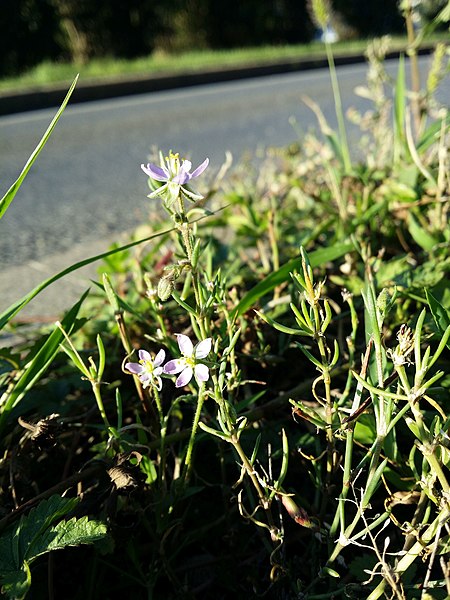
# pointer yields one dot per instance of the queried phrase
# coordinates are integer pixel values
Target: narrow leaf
(12, 311)
(400, 103)
(39, 363)
(280, 326)
(420, 235)
(316, 258)
(9, 196)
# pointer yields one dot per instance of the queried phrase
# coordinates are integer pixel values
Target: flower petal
(185, 345)
(203, 348)
(134, 368)
(184, 377)
(199, 170)
(158, 382)
(144, 355)
(174, 366)
(159, 358)
(183, 174)
(201, 373)
(155, 172)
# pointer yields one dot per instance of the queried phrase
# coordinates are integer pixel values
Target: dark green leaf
(39, 362)
(440, 315)
(38, 533)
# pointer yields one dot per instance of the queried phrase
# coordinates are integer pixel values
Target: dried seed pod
(44, 432)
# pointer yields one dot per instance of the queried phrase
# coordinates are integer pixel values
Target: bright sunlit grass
(48, 73)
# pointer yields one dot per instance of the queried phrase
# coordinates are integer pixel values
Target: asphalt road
(87, 185)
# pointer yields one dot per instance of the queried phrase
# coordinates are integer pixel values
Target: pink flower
(188, 365)
(174, 175)
(148, 369)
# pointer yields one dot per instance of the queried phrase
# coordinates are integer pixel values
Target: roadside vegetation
(253, 400)
(51, 73)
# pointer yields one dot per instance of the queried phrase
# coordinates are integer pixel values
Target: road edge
(42, 97)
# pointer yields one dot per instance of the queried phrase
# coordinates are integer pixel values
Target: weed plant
(254, 400)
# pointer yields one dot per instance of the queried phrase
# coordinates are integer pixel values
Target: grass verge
(50, 73)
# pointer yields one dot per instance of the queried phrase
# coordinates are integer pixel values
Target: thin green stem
(163, 430)
(99, 400)
(416, 550)
(198, 411)
(263, 500)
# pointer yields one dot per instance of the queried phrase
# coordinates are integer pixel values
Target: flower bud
(299, 515)
(165, 287)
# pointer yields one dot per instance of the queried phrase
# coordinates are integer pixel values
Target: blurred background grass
(45, 41)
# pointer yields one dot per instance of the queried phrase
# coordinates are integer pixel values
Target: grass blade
(39, 363)
(9, 196)
(399, 108)
(316, 258)
(12, 311)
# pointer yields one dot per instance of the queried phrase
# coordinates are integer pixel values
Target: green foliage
(36, 364)
(9, 196)
(38, 533)
(316, 294)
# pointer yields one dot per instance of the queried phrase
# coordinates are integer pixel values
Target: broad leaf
(40, 532)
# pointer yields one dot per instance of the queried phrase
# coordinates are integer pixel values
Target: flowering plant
(174, 174)
(148, 369)
(188, 364)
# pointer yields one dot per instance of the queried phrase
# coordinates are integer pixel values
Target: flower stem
(188, 460)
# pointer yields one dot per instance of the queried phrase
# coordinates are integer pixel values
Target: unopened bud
(299, 515)
(382, 300)
(165, 287)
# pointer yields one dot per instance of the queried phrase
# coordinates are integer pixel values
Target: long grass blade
(39, 363)
(316, 258)
(9, 196)
(12, 311)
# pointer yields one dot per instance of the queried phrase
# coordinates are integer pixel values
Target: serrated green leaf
(38, 533)
(39, 520)
(74, 532)
(15, 584)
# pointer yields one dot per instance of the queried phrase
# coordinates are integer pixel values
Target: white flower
(148, 369)
(188, 365)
